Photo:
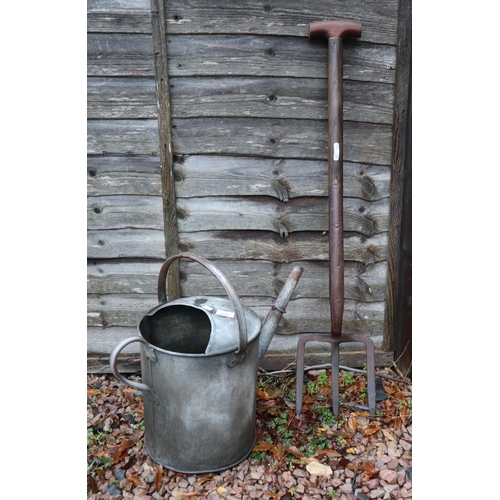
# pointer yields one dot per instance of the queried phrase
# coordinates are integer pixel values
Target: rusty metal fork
(334, 32)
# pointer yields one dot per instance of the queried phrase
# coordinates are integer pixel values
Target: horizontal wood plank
(114, 277)
(305, 315)
(235, 213)
(137, 243)
(277, 17)
(363, 283)
(122, 137)
(112, 175)
(290, 18)
(277, 97)
(126, 243)
(268, 245)
(237, 55)
(116, 16)
(268, 214)
(119, 54)
(275, 138)
(259, 97)
(121, 98)
(124, 212)
(198, 175)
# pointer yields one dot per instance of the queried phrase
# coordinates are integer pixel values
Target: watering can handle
(113, 361)
(231, 292)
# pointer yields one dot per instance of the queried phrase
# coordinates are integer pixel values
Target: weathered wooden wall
(248, 102)
(126, 244)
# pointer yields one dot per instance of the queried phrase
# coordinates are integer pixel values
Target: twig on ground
(403, 379)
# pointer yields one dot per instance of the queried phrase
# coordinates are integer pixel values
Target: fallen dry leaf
(399, 396)
(389, 386)
(134, 479)
(273, 494)
(369, 469)
(404, 414)
(275, 450)
(352, 422)
(293, 450)
(329, 452)
(372, 428)
(128, 392)
(122, 451)
(159, 477)
(318, 469)
(388, 435)
(265, 395)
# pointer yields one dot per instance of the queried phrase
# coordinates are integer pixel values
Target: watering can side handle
(231, 292)
(113, 361)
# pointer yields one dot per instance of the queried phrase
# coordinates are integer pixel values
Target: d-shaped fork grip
(334, 29)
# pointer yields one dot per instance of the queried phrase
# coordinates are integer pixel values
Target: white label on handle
(336, 151)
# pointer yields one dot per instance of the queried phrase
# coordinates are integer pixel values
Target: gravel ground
(319, 456)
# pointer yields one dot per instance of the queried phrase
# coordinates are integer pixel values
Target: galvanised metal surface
(199, 374)
(334, 32)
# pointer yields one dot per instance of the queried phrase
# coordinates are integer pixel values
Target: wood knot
(282, 189)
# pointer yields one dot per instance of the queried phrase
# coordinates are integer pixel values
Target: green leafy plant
(314, 386)
(281, 423)
(327, 416)
(347, 379)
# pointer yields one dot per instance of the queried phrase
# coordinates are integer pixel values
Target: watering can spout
(276, 312)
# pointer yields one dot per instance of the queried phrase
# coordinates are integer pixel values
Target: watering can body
(199, 362)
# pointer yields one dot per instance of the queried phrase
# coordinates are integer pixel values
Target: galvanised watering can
(199, 361)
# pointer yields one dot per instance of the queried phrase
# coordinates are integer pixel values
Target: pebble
(114, 490)
(393, 464)
(346, 488)
(389, 476)
(299, 473)
(408, 473)
(405, 445)
(361, 496)
(371, 484)
(119, 473)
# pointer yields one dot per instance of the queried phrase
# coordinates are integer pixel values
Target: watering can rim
(251, 317)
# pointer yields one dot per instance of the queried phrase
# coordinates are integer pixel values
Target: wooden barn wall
(248, 104)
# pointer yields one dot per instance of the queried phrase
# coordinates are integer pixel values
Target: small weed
(327, 416)
(258, 455)
(281, 423)
(341, 441)
(292, 491)
(98, 464)
(95, 439)
(313, 387)
(347, 379)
